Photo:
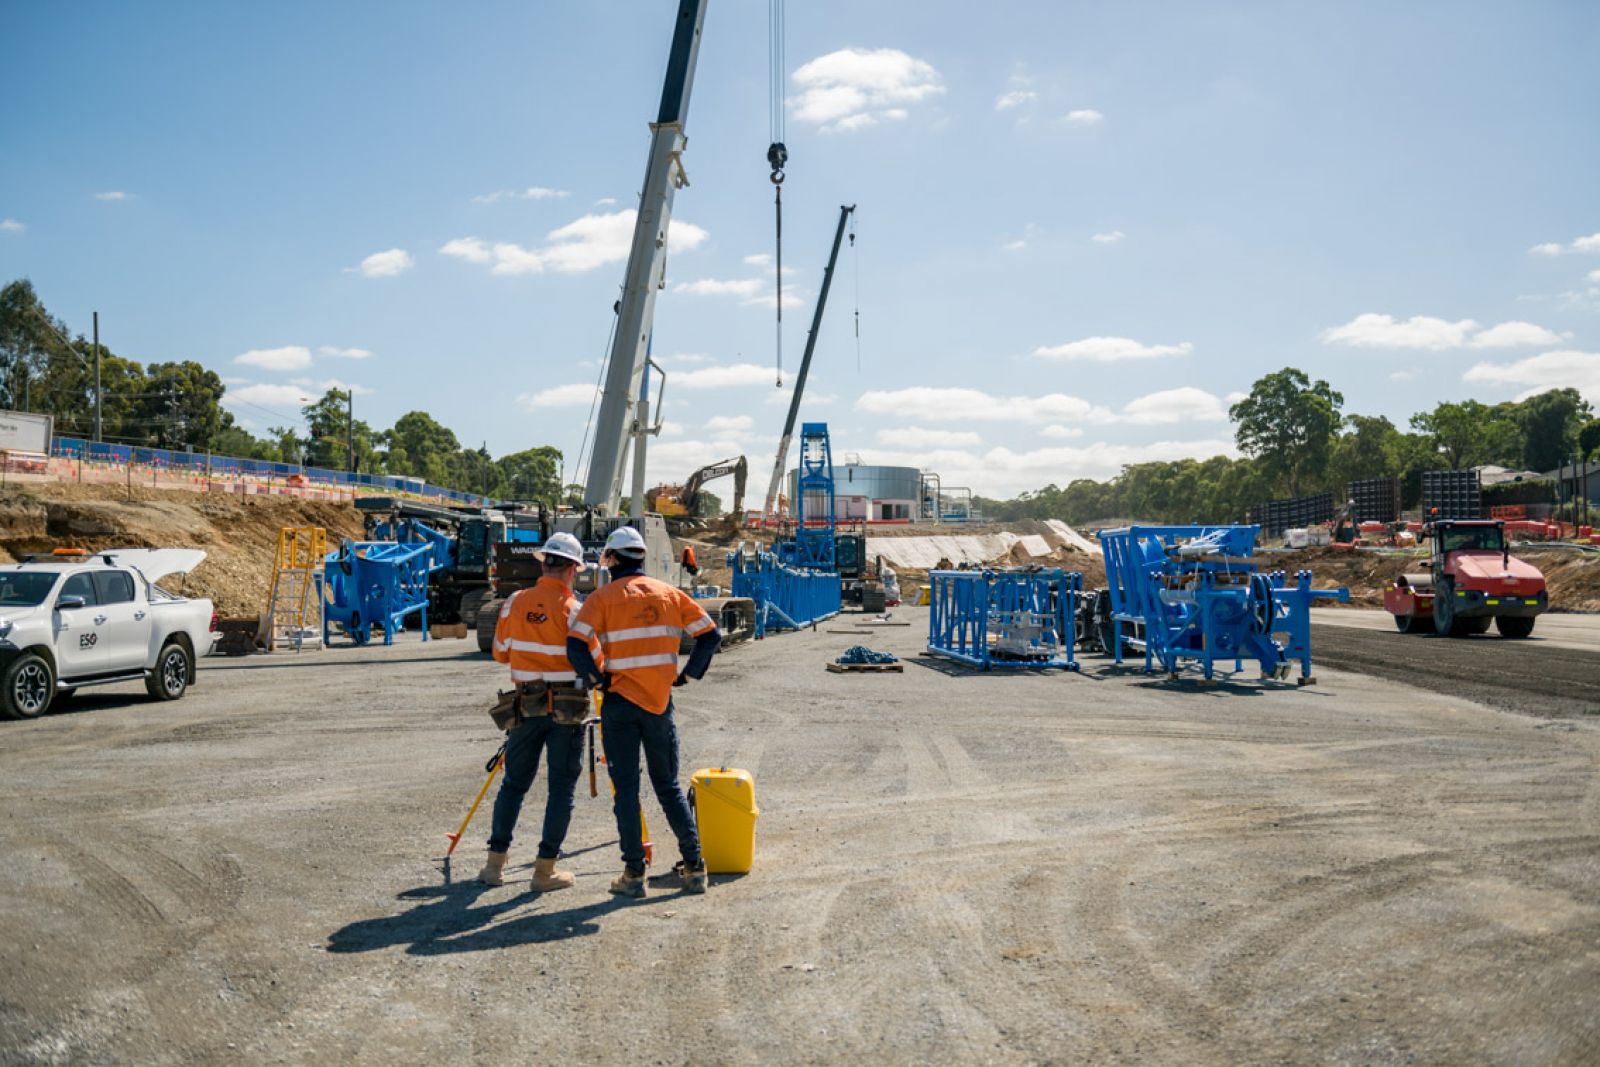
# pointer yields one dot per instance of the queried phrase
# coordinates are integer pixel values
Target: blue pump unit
(1195, 594)
(1005, 619)
(376, 583)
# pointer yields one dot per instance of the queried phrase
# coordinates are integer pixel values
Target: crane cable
(777, 154)
(855, 261)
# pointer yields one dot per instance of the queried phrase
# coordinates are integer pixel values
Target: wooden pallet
(867, 668)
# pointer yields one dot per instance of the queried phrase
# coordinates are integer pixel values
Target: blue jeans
(625, 727)
(523, 745)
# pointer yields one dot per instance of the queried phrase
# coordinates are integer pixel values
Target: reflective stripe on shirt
(544, 676)
(638, 632)
(660, 659)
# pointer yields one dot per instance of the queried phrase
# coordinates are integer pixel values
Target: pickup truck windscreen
(25, 588)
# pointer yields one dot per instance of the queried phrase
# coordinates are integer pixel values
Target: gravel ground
(1553, 674)
(950, 868)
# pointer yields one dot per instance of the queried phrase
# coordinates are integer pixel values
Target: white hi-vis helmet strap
(625, 539)
(562, 547)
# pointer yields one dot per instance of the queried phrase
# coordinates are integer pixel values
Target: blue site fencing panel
(201, 463)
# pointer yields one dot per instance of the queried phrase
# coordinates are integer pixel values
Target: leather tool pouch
(507, 710)
(567, 705)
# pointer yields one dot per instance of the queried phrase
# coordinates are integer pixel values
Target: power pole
(97, 377)
(350, 430)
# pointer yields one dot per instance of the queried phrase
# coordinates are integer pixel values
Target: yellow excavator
(680, 500)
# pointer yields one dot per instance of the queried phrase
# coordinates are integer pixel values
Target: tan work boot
(694, 878)
(547, 879)
(629, 884)
(494, 869)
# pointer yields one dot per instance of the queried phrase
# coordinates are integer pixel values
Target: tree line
(178, 405)
(1295, 439)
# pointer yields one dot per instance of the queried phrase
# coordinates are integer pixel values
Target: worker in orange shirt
(637, 621)
(531, 637)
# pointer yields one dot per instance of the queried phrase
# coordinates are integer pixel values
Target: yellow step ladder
(294, 609)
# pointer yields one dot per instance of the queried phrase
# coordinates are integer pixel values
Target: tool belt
(564, 703)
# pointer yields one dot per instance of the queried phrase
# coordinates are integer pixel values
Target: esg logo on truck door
(87, 640)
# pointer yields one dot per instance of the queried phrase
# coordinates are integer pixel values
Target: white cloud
(290, 357)
(1108, 238)
(468, 248)
(741, 287)
(330, 352)
(917, 437)
(1424, 332)
(1514, 335)
(1372, 330)
(735, 424)
(1551, 370)
(1015, 98)
(1590, 243)
(583, 244)
(318, 388)
(606, 201)
(1184, 404)
(721, 376)
(1061, 432)
(759, 259)
(685, 358)
(1002, 472)
(857, 87)
(1014, 246)
(934, 404)
(386, 264)
(1085, 116)
(113, 195)
(532, 192)
(11, 226)
(1593, 276)
(558, 396)
(1111, 350)
(269, 396)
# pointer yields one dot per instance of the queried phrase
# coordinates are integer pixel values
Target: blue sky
(1081, 228)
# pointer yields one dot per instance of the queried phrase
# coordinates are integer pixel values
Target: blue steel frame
(376, 582)
(814, 544)
(786, 597)
(974, 615)
(1194, 593)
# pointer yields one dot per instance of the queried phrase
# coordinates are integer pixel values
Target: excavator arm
(690, 497)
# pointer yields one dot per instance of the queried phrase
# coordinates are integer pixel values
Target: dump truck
(1470, 580)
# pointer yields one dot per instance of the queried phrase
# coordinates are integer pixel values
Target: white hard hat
(562, 546)
(625, 539)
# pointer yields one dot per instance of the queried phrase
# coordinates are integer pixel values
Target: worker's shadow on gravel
(450, 920)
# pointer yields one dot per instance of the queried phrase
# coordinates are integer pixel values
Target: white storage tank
(873, 493)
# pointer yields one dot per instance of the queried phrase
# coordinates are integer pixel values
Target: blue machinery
(1194, 593)
(377, 583)
(798, 583)
(1015, 619)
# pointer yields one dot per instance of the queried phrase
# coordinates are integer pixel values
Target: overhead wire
(580, 473)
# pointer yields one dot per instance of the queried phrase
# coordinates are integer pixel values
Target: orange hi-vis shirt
(531, 635)
(638, 622)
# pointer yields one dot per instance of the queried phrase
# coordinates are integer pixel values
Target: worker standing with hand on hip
(531, 637)
(637, 622)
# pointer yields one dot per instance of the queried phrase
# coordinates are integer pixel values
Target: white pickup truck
(73, 619)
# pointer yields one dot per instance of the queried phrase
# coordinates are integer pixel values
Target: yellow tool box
(725, 810)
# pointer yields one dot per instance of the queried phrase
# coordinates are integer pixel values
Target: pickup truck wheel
(170, 677)
(488, 619)
(1513, 625)
(27, 687)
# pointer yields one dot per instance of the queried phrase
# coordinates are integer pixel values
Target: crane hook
(777, 156)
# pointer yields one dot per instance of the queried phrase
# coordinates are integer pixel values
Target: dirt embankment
(1572, 575)
(239, 534)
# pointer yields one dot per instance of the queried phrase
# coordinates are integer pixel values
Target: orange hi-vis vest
(638, 622)
(531, 635)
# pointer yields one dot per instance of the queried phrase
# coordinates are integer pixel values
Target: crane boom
(618, 420)
(805, 364)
